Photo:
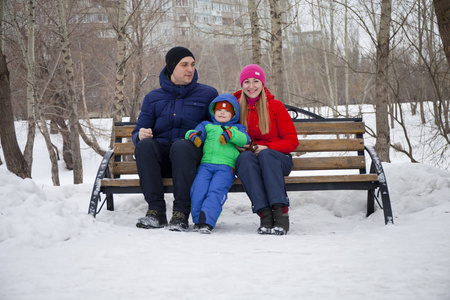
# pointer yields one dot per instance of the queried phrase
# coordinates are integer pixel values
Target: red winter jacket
(282, 135)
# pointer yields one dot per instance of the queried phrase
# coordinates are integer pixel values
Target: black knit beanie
(174, 56)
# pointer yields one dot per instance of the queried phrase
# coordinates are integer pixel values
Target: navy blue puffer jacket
(172, 110)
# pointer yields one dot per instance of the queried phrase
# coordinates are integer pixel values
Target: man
(161, 151)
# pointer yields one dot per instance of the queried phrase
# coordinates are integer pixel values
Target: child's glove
(225, 136)
(195, 138)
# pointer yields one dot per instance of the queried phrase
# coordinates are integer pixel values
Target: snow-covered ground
(51, 249)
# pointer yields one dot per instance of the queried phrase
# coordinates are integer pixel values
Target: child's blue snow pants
(209, 192)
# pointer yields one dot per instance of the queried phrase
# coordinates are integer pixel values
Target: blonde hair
(262, 108)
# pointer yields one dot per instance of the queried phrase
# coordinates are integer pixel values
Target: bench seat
(326, 145)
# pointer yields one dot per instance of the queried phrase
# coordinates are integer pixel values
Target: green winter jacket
(213, 151)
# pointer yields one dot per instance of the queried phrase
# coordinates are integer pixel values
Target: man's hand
(145, 133)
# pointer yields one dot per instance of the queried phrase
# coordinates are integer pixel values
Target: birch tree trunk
(347, 59)
(325, 47)
(72, 105)
(120, 68)
(15, 161)
(381, 82)
(333, 60)
(31, 102)
(120, 64)
(256, 32)
(277, 47)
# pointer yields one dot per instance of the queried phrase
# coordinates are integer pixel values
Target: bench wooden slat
(330, 128)
(124, 148)
(289, 180)
(129, 182)
(329, 163)
(332, 178)
(123, 131)
(320, 145)
(300, 163)
(302, 128)
(124, 167)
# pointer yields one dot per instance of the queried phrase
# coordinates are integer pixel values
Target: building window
(183, 31)
(182, 18)
(217, 20)
(182, 3)
(221, 7)
(227, 21)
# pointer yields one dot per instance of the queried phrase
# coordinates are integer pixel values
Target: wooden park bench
(334, 146)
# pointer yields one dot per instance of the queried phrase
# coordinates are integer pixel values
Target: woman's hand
(252, 147)
(259, 148)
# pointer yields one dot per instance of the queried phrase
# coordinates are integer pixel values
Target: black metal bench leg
(377, 168)
(370, 202)
(102, 171)
(109, 202)
(95, 199)
(387, 209)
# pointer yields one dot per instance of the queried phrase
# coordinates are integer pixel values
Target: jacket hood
(231, 99)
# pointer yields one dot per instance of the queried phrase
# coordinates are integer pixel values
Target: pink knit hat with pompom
(252, 71)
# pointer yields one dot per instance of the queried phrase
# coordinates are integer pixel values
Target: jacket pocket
(196, 111)
(194, 104)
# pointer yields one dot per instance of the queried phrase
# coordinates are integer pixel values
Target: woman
(262, 169)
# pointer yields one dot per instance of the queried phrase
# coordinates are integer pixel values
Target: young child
(216, 173)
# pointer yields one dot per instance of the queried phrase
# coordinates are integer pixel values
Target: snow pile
(50, 248)
(332, 251)
(416, 187)
(32, 216)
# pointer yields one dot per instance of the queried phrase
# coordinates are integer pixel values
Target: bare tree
(120, 63)
(442, 8)
(27, 47)
(142, 19)
(276, 46)
(347, 59)
(256, 31)
(92, 141)
(382, 84)
(70, 97)
(328, 54)
(15, 161)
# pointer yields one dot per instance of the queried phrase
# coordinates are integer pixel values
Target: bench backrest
(324, 144)
(330, 145)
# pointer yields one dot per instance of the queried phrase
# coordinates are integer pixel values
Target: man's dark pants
(156, 161)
